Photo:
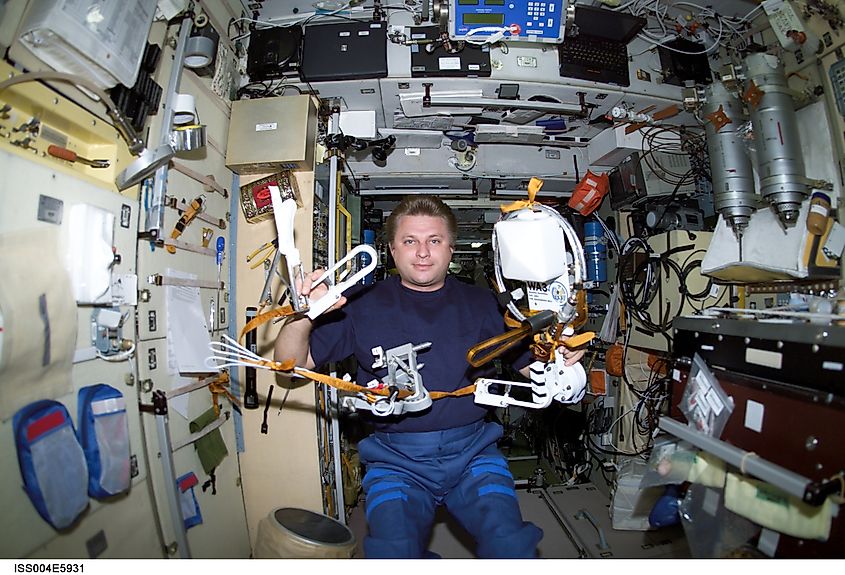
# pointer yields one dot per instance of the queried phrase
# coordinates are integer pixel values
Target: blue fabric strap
(495, 488)
(384, 486)
(490, 460)
(383, 498)
(482, 469)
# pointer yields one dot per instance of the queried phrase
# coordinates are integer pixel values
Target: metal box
(101, 41)
(272, 134)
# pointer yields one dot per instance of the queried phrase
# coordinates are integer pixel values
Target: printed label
(449, 63)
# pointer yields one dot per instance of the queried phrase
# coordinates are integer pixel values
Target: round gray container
(289, 533)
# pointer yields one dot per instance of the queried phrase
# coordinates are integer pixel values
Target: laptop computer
(599, 52)
(433, 59)
(273, 53)
(348, 50)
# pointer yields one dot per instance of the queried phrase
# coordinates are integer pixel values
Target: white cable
(497, 31)
(232, 354)
(753, 10)
(120, 356)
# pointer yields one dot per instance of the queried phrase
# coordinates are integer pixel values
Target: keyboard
(596, 59)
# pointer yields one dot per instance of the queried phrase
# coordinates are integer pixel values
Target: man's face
(422, 251)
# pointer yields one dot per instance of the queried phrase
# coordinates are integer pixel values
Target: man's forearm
(292, 343)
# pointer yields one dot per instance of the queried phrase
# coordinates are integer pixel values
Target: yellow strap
(533, 187)
(283, 311)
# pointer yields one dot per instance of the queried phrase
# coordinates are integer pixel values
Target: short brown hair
(421, 206)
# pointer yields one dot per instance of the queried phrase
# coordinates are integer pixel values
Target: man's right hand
(313, 292)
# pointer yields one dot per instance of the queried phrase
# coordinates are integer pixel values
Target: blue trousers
(410, 474)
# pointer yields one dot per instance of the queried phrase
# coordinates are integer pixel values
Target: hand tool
(266, 408)
(65, 154)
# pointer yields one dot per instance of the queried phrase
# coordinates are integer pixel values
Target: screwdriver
(65, 154)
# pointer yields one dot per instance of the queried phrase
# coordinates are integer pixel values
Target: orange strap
(496, 345)
(534, 186)
(579, 340)
(289, 366)
(458, 393)
(187, 217)
(283, 311)
(218, 387)
(344, 385)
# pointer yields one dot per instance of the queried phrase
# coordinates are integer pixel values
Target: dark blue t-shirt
(388, 314)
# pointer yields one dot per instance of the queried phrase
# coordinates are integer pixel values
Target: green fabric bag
(211, 448)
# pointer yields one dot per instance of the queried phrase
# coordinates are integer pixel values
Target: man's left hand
(572, 356)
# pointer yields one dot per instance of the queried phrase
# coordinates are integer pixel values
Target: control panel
(482, 21)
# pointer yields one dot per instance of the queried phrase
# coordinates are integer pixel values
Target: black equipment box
(439, 56)
(349, 50)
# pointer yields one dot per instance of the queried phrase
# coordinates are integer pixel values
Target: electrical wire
(124, 355)
(663, 27)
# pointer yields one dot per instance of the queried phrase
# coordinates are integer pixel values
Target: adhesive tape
(184, 110)
(187, 138)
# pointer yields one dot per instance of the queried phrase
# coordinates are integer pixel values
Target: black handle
(251, 392)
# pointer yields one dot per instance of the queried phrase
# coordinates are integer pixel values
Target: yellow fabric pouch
(772, 508)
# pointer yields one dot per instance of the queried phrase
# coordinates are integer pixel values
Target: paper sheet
(187, 328)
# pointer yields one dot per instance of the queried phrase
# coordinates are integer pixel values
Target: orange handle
(63, 153)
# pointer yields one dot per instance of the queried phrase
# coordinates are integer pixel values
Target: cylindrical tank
(290, 533)
(595, 251)
(730, 166)
(779, 155)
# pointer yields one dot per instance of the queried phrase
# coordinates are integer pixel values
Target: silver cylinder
(730, 166)
(780, 160)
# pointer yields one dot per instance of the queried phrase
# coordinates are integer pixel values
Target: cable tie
(742, 461)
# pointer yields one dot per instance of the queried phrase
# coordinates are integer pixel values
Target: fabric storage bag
(51, 461)
(104, 436)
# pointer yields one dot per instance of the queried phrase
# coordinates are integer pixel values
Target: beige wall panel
(280, 469)
(128, 526)
(127, 521)
(223, 531)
